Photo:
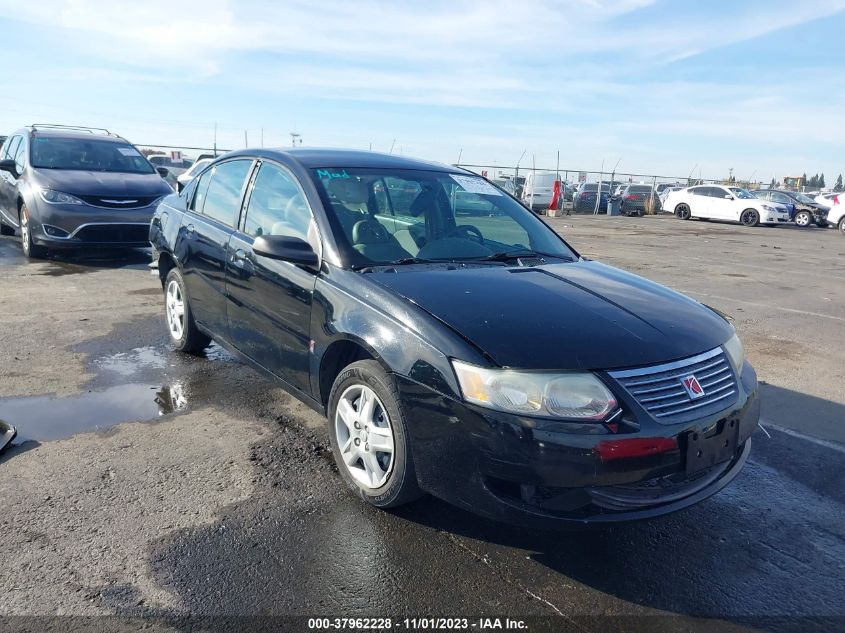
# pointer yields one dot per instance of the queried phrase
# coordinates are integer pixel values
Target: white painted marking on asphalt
(834, 446)
(693, 293)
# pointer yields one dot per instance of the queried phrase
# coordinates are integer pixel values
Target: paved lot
(148, 483)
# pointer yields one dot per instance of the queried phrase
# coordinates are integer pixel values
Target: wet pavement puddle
(43, 418)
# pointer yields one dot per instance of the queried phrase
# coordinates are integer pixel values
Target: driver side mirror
(162, 171)
(8, 165)
(286, 249)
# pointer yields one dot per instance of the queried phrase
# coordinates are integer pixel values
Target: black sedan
(478, 358)
(805, 210)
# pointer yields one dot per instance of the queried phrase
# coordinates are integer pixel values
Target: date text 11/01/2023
(417, 624)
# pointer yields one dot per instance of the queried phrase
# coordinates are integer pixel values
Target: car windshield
(87, 155)
(743, 194)
(383, 216)
(800, 197)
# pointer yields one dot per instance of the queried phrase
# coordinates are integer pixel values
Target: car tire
(683, 212)
(6, 230)
(365, 397)
(181, 327)
(749, 217)
(842, 226)
(30, 249)
(640, 213)
(803, 219)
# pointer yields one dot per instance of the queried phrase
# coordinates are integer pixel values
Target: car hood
(98, 183)
(582, 315)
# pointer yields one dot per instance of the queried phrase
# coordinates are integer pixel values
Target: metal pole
(598, 193)
(533, 181)
(246, 141)
(215, 139)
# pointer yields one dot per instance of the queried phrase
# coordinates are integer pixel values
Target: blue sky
(753, 85)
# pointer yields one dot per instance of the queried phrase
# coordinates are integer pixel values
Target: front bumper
(58, 226)
(553, 474)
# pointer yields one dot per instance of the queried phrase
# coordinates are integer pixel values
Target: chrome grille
(659, 390)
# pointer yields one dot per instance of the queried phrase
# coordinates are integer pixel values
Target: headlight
(57, 197)
(735, 352)
(579, 396)
(767, 207)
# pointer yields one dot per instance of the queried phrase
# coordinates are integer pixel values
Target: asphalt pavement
(149, 484)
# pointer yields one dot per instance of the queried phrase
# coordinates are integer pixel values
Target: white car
(716, 202)
(541, 185)
(188, 176)
(836, 215)
(825, 199)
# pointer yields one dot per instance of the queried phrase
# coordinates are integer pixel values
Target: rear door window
(223, 196)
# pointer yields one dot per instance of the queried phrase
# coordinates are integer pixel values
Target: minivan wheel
(682, 211)
(184, 334)
(803, 218)
(368, 436)
(750, 217)
(31, 250)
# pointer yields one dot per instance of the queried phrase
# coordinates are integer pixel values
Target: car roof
(77, 134)
(313, 158)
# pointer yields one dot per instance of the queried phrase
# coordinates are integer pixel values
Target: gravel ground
(146, 483)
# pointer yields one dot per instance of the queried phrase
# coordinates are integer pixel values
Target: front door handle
(190, 231)
(239, 258)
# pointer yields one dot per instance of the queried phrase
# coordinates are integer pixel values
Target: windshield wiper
(504, 256)
(411, 260)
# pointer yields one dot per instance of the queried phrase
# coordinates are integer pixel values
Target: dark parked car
(76, 188)
(480, 359)
(804, 211)
(635, 198)
(584, 199)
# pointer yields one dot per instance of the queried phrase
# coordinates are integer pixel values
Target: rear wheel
(184, 334)
(30, 249)
(842, 226)
(803, 218)
(750, 217)
(369, 438)
(683, 212)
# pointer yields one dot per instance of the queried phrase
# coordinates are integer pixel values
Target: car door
(721, 203)
(269, 301)
(9, 182)
(785, 200)
(204, 235)
(699, 202)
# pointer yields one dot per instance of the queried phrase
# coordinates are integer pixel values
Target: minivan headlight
(57, 197)
(735, 352)
(577, 395)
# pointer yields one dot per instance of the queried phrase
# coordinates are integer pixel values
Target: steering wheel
(467, 231)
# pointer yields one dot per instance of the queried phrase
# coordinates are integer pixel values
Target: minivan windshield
(87, 155)
(383, 216)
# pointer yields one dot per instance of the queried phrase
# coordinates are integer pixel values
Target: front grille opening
(659, 389)
(114, 233)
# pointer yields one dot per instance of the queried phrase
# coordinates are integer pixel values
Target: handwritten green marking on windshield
(325, 173)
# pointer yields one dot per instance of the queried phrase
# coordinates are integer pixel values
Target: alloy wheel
(175, 308)
(802, 219)
(749, 217)
(365, 436)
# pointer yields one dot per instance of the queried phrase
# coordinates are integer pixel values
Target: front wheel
(842, 226)
(30, 249)
(181, 327)
(750, 217)
(369, 438)
(683, 212)
(803, 218)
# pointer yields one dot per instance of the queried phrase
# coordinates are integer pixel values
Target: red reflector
(609, 450)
